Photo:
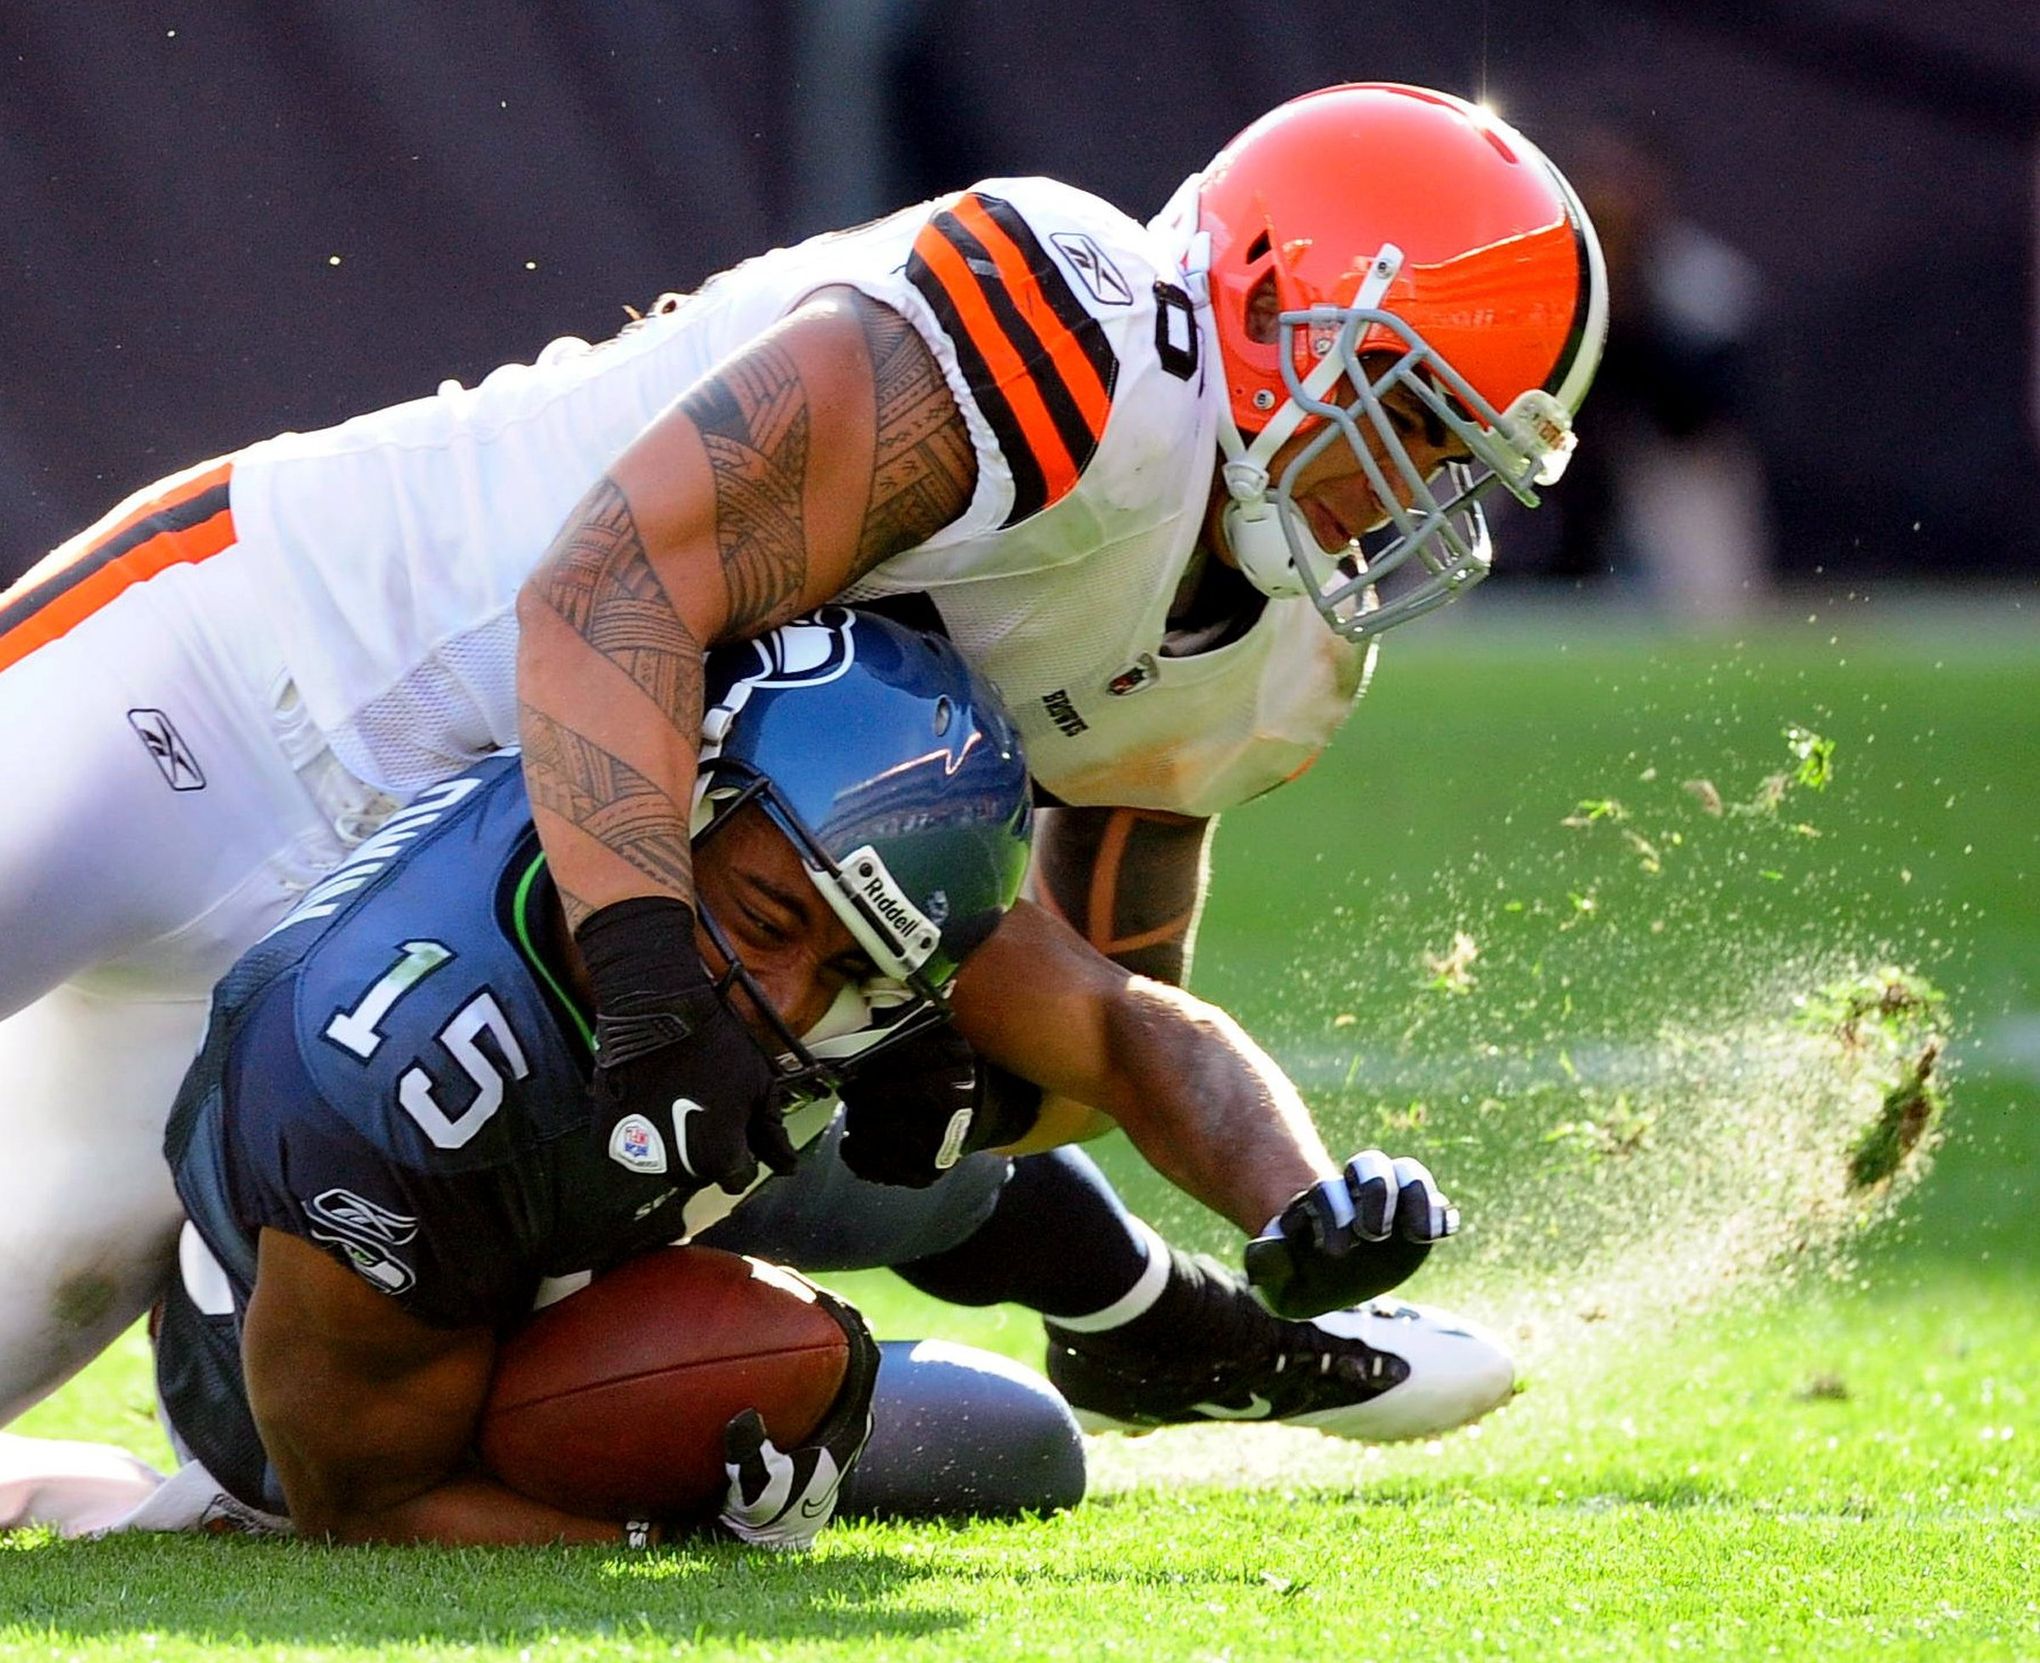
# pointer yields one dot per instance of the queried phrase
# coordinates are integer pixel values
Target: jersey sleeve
(443, 1244)
(1037, 361)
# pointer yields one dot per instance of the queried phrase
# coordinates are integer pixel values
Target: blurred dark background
(223, 218)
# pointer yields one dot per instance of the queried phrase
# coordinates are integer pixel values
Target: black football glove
(782, 1498)
(1349, 1238)
(909, 1115)
(670, 1052)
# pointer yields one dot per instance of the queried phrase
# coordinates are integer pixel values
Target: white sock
(1138, 1300)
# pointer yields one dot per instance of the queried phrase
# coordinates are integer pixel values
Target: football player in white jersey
(1164, 484)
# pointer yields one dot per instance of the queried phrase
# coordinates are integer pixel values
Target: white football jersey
(396, 542)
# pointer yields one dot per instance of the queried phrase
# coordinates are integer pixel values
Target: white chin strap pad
(1253, 531)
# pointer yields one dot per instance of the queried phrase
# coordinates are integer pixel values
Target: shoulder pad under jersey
(419, 1019)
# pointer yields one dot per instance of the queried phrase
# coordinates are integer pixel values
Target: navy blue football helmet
(895, 771)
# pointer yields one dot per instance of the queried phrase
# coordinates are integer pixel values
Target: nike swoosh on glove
(669, 1048)
(782, 1499)
(1347, 1239)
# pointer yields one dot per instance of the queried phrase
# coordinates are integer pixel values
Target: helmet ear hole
(1258, 247)
(1264, 308)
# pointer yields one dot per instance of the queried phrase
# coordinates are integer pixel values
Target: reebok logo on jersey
(1093, 270)
(166, 748)
(365, 1231)
(1063, 713)
(636, 1144)
(361, 1218)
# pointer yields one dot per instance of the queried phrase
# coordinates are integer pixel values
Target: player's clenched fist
(1348, 1238)
(671, 1051)
(914, 1114)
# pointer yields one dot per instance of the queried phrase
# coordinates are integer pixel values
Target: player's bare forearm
(368, 1415)
(471, 1510)
(1208, 1108)
(1130, 881)
(820, 449)
(1205, 1105)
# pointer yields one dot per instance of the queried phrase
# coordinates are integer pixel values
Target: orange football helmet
(1371, 237)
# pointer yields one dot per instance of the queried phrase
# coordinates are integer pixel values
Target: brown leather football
(611, 1404)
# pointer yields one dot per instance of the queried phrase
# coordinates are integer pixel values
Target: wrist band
(644, 945)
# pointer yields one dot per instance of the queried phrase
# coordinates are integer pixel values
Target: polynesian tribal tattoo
(599, 579)
(571, 776)
(753, 419)
(924, 470)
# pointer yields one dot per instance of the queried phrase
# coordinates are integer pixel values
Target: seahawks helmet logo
(808, 651)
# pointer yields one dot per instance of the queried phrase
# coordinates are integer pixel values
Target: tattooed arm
(820, 449)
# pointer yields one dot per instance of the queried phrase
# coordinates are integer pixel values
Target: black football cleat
(1376, 1372)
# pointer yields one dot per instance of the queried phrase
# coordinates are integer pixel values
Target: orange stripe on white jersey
(1037, 363)
(181, 522)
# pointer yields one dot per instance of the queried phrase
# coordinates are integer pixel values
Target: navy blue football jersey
(395, 1076)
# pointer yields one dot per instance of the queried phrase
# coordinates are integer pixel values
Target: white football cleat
(1378, 1372)
(1454, 1371)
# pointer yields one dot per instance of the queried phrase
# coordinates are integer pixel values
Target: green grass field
(1763, 1416)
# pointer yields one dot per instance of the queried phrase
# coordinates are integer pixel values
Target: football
(611, 1403)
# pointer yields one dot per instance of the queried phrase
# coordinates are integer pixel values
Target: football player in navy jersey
(387, 1147)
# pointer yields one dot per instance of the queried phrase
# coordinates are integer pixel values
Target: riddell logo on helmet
(890, 907)
(913, 935)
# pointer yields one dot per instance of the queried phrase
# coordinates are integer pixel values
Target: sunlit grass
(1739, 1436)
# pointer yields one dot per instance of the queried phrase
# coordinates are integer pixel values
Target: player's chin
(1458, 1372)
(1325, 529)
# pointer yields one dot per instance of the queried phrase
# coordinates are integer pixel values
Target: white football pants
(163, 800)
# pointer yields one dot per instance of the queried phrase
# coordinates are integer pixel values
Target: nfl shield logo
(1133, 678)
(636, 1144)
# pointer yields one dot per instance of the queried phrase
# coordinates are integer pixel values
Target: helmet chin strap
(1252, 526)
(1252, 522)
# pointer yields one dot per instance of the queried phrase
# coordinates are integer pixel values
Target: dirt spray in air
(1661, 1085)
